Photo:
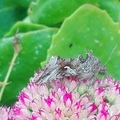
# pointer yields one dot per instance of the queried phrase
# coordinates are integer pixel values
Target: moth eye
(66, 67)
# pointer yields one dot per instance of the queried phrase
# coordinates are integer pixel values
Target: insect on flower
(84, 68)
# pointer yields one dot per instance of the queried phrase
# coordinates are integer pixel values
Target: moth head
(68, 71)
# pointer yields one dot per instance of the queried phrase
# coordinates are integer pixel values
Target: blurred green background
(66, 28)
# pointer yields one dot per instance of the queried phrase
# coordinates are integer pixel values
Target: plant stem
(17, 49)
(8, 74)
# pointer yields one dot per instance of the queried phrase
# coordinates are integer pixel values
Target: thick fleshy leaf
(23, 27)
(21, 3)
(89, 28)
(8, 16)
(54, 11)
(2, 4)
(35, 45)
(112, 7)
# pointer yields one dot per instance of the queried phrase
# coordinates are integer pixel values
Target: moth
(84, 68)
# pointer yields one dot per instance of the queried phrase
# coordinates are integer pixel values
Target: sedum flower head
(66, 99)
(5, 113)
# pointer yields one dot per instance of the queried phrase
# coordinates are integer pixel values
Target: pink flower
(5, 114)
(64, 99)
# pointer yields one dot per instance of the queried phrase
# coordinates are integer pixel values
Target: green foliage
(23, 27)
(53, 11)
(34, 50)
(112, 7)
(21, 3)
(89, 28)
(8, 16)
(81, 25)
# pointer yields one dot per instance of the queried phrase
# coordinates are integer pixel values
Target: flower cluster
(5, 113)
(66, 99)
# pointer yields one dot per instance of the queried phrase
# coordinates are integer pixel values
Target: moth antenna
(110, 54)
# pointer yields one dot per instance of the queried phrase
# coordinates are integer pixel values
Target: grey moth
(84, 68)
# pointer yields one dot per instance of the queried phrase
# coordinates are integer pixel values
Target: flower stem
(17, 49)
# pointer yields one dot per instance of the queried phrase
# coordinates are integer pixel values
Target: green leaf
(8, 16)
(89, 28)
(2, 4)
(22, 3)
(52, 12)
(112, 7)
(35, 45)
(24, 27)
